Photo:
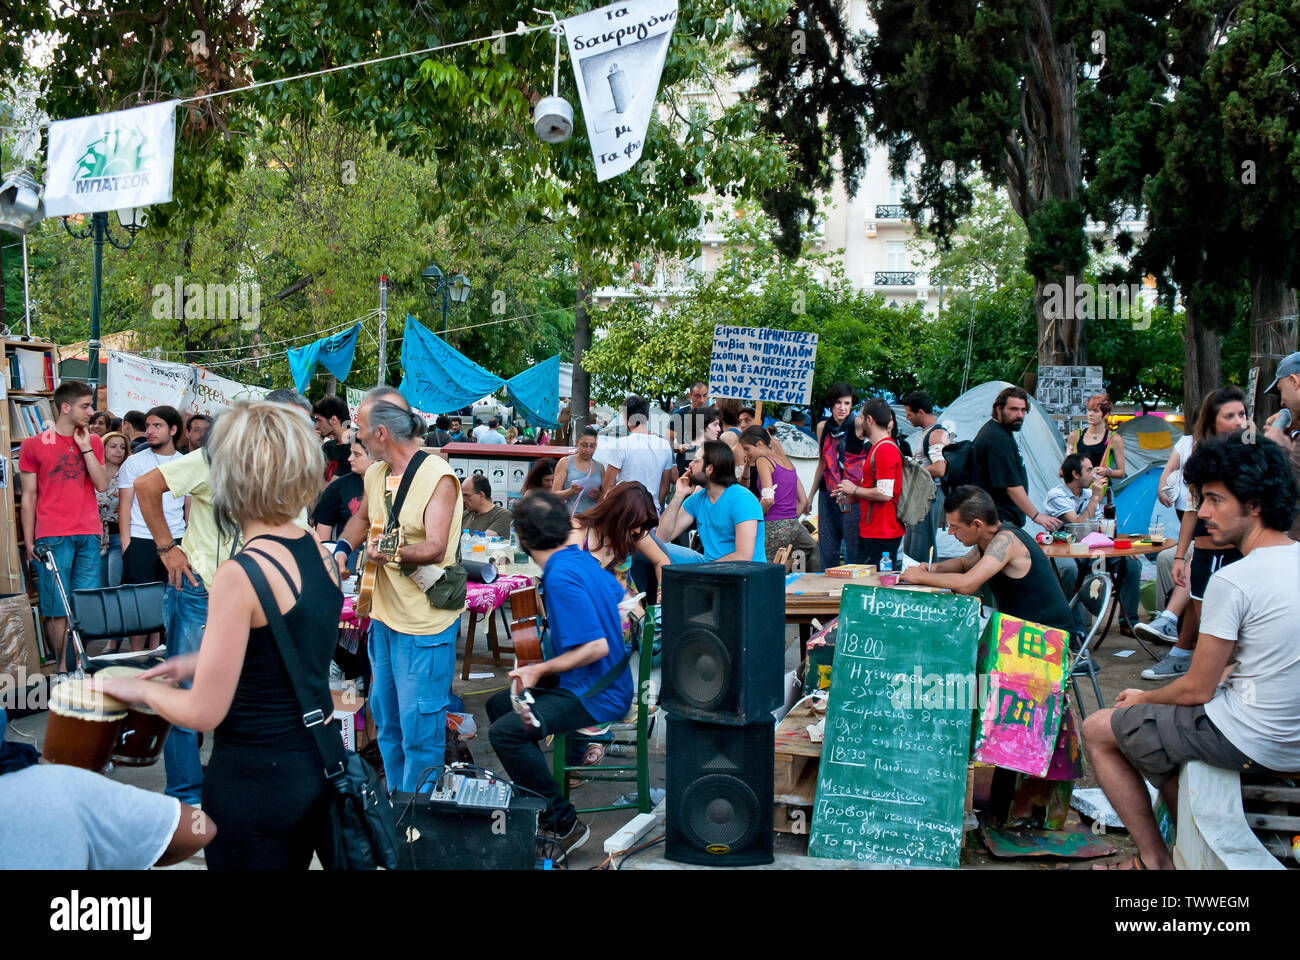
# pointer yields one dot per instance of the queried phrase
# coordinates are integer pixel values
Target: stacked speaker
(723, 660)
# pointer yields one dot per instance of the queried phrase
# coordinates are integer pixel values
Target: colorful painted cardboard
(1025, 666)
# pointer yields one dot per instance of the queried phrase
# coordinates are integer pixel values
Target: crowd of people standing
(239, 524)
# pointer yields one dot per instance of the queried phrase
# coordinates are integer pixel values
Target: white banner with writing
(111, 161)
(618, 56)
(214, 393)
(138, 383)
(752, 363)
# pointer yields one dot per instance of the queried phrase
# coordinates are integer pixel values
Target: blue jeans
(679, 554)
(409, 692)
(77, 557)
(835, 528)
(110, 564)
(185, 613)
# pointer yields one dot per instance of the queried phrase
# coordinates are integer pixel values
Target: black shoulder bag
(450, 591)
(361, 835)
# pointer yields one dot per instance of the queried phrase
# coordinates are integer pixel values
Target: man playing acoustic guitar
(412, 642)
(585, 679)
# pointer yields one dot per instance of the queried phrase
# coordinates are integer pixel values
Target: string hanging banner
(618, 56)
(111, 161)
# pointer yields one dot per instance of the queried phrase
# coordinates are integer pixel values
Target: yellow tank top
(398, 602)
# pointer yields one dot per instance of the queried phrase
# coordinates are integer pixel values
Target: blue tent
(536, 393)
(438, 378)
(1136, 504)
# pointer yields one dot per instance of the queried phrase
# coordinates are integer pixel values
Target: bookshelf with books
(28, 376)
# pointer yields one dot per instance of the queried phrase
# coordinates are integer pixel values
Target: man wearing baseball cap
(1284, 426)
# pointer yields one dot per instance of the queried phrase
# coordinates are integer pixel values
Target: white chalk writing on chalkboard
(893, 774)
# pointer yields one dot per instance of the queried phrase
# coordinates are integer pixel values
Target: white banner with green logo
(111, 161)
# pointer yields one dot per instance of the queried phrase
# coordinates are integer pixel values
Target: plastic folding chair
(1093, 601)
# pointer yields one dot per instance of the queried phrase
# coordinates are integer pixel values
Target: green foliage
(658, 352)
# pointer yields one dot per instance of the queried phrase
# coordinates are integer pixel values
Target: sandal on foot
(595, 753)
(1133, 864)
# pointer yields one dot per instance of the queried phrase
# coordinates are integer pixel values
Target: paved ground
(1117, 673)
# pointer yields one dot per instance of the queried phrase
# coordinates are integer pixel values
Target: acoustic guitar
(525, 619)
(389, 544)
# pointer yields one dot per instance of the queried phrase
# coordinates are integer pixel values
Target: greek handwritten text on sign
(775, 366)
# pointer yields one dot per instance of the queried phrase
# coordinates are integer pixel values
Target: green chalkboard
(892, 783)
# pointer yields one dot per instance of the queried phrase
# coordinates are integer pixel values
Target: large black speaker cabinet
(723, 641)
(720, 786)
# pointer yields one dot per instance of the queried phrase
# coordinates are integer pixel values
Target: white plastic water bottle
(886, 565)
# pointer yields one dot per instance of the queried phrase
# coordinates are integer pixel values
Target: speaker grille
(720, 811)
(702, 669)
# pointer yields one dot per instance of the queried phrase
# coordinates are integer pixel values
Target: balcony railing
(891, 211)
(895, 278)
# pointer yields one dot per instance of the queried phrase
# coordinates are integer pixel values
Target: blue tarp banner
(438, 378)
(333, 353)
(536, 393)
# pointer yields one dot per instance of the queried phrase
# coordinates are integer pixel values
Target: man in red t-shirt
(882, 484)
(62, 468)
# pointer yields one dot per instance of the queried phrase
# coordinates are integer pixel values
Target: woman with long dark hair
(617, 530)
(776, 484)
(265, 785)
(840, 449)
(1222, 413)
(539, 477)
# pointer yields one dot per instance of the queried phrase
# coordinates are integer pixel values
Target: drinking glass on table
(1157, 531)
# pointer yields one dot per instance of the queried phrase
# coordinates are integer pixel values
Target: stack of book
(29, 417)
(851, 571)
(31, 370)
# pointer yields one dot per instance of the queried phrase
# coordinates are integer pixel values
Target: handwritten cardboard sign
(775, 366)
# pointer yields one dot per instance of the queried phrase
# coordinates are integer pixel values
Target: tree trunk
(1272, 334)
(580, 402)
(1043, 160)
(1202, 372)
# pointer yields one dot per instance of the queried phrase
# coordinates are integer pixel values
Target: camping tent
(1040, 444)
(1148, 441)
(1136, 504)
(1041, 447)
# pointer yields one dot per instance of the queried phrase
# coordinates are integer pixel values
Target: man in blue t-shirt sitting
(728, 517)
(584, 679)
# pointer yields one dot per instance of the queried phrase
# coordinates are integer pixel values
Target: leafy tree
(466, 111)
(861, 339)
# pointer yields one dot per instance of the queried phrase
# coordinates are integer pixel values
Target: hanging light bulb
(553, 116)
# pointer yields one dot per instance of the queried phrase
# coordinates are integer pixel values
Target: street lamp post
(97, 231)
(444, 292)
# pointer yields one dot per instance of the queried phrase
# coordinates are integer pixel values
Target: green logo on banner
(116, 161)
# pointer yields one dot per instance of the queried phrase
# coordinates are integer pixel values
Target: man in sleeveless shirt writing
(1021, 577)
(412, 643)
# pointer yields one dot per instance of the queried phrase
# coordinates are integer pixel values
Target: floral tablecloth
(486, 597)
(479, 597)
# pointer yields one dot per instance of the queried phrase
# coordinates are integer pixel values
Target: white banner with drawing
(618, 56)
(111, 161)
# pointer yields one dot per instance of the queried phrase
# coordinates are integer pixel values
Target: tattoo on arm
(1000, 546)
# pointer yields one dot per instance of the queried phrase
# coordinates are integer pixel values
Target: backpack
(960, 457)
(916, 492)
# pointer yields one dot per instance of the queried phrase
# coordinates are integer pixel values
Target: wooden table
(1140, 547)
(1061, 551)
(815, 596)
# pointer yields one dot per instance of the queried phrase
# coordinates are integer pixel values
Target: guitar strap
(395, 505)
